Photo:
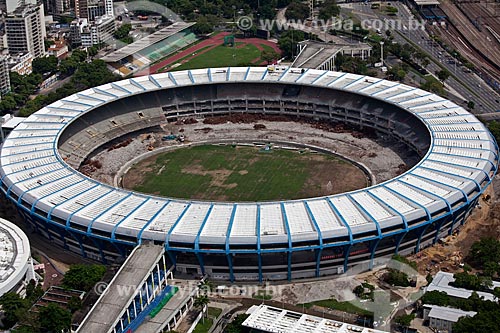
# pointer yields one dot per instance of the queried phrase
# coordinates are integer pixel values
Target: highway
(469, 85)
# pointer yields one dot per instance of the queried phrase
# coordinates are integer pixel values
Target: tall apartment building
(4, 76)
(99, 32)
(25, 30)
(91, 9)
(10, 6)
(83, 33)
(56, 7)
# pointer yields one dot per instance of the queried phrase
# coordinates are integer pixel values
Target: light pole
(455, 61)
(382, 52)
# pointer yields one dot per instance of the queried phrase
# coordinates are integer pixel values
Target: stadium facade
(250, 241)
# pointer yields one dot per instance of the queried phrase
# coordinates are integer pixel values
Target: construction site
(381, 155)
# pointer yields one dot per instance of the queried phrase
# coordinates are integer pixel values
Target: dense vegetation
(397, 278)
(123, 33)
(328, 9)
(486, 319)
(484, 255)
(288, 42)
(85, 73)
(51, 318)
(235, 326)
(297, 11)
(83, 277)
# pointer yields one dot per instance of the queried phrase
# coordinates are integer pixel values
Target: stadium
(279, 240)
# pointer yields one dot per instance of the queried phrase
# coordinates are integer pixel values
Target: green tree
(68, 66)
(297, 11)
(486, 250)
(123, 33)
(359, 291)
(496, 293)
(470, 105)
(8, 103)
(92, 51)
(397, 278)
(351, 64)
(54, 318)
(391, 10)
(79, 55)
(44, 65)
(33, 291)
(328, 10)
(494, 127)
(487, 321)
(83, 277)
(396, 73)
(201, 302)
(288, 42)
(14, 308)
(74, 304)
(405, 320)
(202, 26)
(436, 298)
(443, 75)
(269, 56)
(236, 325)
(467, 281)
(24, 329)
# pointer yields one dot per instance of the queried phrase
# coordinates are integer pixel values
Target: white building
(98, 32)
(25, 30)
(264, 318)
(16, 266)
(10, 6)
(442, 318)
(442, 282)
(8, 122)
(21, 63)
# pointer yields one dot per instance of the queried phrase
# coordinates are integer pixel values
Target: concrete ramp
(136, 279)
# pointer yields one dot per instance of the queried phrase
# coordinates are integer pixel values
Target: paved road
(469, 86)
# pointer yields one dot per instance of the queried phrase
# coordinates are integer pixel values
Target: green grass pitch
(223, 56)
(225, 173)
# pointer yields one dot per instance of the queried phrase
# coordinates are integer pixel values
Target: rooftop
(14, 255)
(149, 40)
(426, 2)
(460, 161)
(442, 280)
(448, 314)
(186, 289)
(270, 319)
(314, 54)
(11, 122)
(104, 314)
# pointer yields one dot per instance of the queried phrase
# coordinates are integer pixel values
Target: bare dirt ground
(382, 156)
(449, 254)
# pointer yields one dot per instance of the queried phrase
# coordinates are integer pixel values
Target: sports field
(222, 56)
(225, 173)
